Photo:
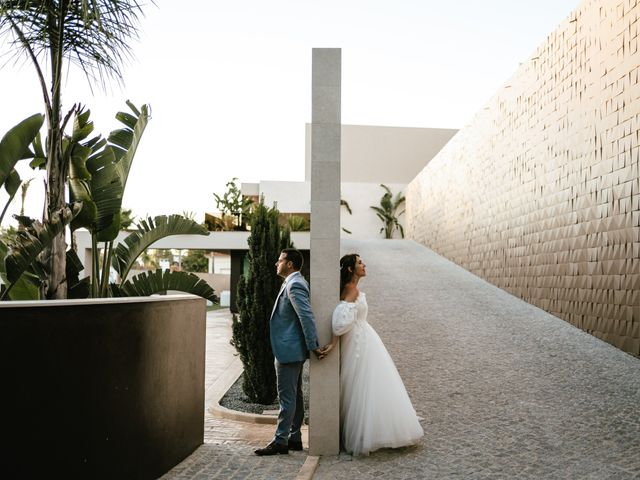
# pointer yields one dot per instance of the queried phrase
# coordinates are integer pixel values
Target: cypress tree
(257, 292)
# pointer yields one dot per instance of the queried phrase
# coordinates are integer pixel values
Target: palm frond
(148, 283)
(150, 231)
(95, 35)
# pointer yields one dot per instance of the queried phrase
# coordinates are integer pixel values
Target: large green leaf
(82, 127)
(148, 283)
(14, 146)
(13, 183)
(11, 186)
(106, 191)
(39, 155)
(23, 289)
(79, 174)
(110, 168)
(76, 288)
(126, 140)
(150, 231)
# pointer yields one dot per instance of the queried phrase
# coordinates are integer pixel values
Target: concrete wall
(540, 194)
(101, 389)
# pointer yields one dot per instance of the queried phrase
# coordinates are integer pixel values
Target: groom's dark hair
(294, 256)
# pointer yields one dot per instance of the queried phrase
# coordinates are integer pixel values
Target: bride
(375, 410)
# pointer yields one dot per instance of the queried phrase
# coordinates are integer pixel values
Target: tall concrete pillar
(324, 402)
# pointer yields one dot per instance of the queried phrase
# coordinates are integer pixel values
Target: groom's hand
(319, 353)
(322, 352)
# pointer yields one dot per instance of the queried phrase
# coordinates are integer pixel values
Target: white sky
(229, 83)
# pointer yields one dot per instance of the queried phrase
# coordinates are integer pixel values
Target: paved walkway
(228, 449)
(506, 390)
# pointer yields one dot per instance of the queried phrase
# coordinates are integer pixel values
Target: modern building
(371, 156)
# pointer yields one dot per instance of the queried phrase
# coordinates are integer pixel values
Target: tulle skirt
(375, 409)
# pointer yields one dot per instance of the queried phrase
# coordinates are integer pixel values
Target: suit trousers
(291, 415)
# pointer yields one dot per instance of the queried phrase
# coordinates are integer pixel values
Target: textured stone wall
(540, 193)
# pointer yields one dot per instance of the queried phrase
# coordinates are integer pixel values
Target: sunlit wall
(540, 193)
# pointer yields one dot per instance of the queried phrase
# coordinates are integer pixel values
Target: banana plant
(388, 213)
(14, 147)
(98, 173)
(135, 244)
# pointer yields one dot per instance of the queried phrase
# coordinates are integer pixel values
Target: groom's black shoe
(273, 449)
(295, 445)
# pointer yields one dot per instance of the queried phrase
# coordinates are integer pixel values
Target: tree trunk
(55, 258)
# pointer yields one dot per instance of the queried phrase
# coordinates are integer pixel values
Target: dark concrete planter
(105, 388)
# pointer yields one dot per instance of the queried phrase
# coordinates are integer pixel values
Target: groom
(293, 335)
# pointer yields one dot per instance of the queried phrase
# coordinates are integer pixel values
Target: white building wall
(377, 154)
(291, 197)
(363, 222)
(371, 155)
(222, 264)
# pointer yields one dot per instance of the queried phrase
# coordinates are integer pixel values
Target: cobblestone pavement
(228, 454)
(228, 449)
(506, 390)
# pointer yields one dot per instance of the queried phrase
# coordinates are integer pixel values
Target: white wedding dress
(375, 409)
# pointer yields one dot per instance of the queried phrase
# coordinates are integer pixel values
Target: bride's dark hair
(347, 269)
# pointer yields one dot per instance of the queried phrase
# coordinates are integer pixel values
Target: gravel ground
(235, 399)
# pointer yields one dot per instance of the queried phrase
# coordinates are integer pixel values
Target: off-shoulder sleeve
(343, 318)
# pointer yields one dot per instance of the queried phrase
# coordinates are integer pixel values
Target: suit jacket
(292, 326)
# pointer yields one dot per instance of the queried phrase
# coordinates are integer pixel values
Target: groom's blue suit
(293, 335)
(292, 326)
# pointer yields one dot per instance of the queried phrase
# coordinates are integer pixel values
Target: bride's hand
(319, 353)
(322, 352)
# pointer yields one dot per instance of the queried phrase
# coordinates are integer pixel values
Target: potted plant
(115, 384)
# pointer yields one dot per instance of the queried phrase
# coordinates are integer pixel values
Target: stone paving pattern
(506, 390)
(228, 449)
(228, 454)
